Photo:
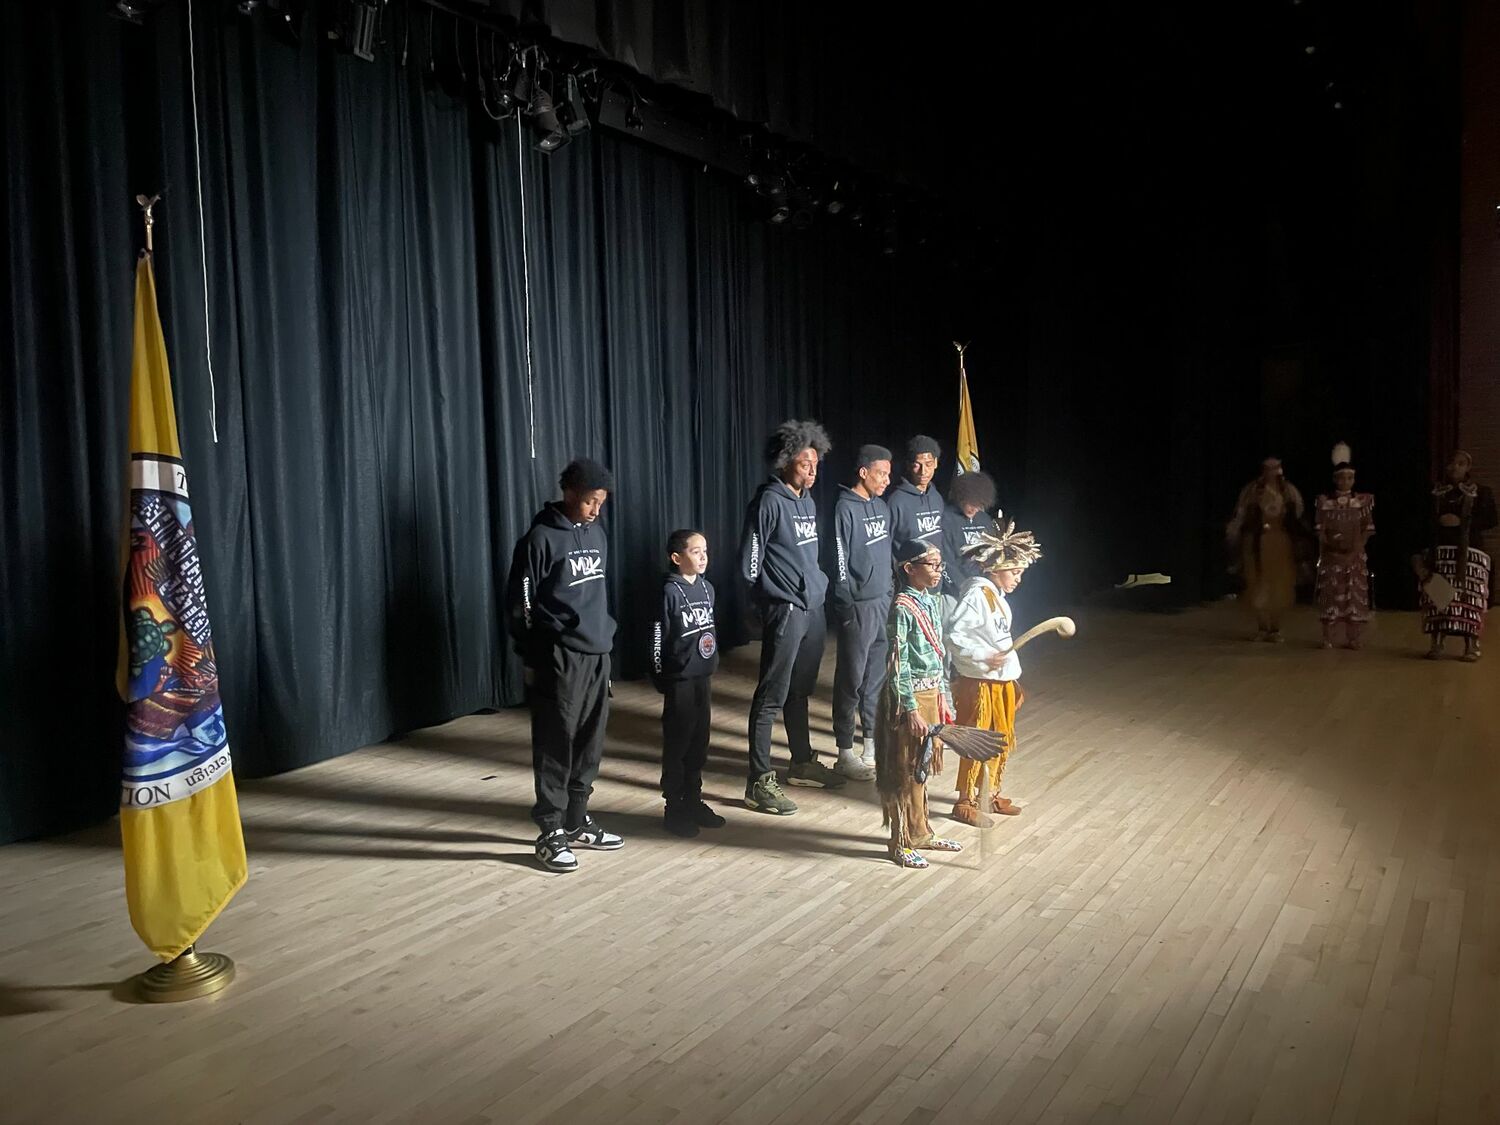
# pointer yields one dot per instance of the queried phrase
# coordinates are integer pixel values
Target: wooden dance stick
(1062, 626)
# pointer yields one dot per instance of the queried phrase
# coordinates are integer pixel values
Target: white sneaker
(852, 766)
(868, 757)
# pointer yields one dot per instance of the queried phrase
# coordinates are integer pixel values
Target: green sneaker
(764, 795)
(815, 775)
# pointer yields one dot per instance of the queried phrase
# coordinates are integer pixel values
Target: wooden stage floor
(1250, 884)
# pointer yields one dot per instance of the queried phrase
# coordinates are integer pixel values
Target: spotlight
(543, 113)
(499, 90)
(573, 112)
(633, 117)
(364, 24)
(131, 11)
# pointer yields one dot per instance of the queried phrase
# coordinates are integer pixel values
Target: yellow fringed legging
(988, 705)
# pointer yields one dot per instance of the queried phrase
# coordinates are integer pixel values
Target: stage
(1250, 883)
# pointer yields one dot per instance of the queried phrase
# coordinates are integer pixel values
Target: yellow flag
(967, 460)
(179, 818)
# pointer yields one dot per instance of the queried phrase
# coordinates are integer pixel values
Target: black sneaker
(592, 835)
(553, 853)
(703, 816)
(678, 820)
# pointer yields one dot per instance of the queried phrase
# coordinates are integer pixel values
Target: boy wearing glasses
(916, 695)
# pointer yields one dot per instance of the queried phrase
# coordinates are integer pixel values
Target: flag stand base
(186, 977)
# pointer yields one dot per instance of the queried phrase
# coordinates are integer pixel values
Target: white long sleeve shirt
(981, 628)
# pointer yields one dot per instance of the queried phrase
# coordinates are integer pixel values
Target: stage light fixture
(572, 111)
(364, 24)
(543, 111)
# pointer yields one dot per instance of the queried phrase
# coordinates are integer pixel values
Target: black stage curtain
(1144, 339)
(367, 297)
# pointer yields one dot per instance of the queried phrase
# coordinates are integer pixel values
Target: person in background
(861, 604)
(969, 514)
(779, 562)
(916, 508)
(684, 658)
(562, 629)
(1263, 538)
(1344, 520)
(1462, 511)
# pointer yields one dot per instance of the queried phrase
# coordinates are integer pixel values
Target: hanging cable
(208, 347)
(526, 286)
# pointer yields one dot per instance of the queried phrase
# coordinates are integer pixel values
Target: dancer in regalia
(1344, 520)
(1462, 511)
(987, 684)
(1263, 539)
(915, 697)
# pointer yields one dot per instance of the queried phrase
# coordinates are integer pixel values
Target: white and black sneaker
(593, 835)
(553, 853)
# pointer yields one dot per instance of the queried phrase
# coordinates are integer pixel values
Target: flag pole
(145, 203)
(190, 974)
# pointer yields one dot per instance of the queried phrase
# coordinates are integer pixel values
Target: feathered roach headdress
(1343, 457)
(1002, 547)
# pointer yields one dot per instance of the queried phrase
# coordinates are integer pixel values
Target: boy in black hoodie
(779, 560)
(560, 621)
(684, 657)
(861, 604)
(916, 507)
(971, 500)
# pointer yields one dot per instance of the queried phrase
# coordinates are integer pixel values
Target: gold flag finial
(145, 203)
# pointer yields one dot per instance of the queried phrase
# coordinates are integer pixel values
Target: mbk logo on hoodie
(807, 531)
(585, 566)
(696, 618)
(971, 535)
(875, 530)
(928, 523)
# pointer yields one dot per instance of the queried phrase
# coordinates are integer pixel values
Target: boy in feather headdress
(987, 684)
(916, 696)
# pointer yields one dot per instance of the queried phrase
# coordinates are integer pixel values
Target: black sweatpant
(860, 673)
(791, 648)
(686, 718)
(569, 710)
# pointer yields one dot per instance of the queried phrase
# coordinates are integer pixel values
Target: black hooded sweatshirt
(684, 645)
(960, 531)
(862, 530)
(914, 515)
(779, 547)
(557, 592)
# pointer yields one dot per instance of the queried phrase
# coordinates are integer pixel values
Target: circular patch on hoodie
(707, 646)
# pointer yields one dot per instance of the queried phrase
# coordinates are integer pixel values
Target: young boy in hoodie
(779, 562)
(560, 621)
(861, 604)
(684, 657)
(916, 507)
